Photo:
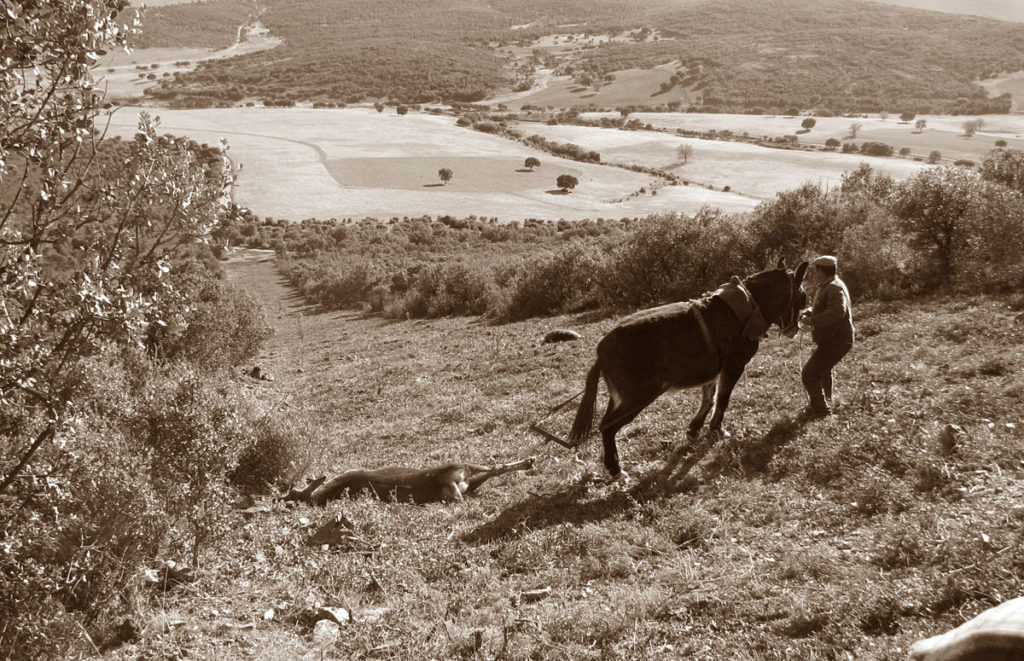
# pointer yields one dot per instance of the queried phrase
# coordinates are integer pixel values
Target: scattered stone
(259, 374)
(335, 614)
(530, 596)
(562, 335)
(373, 614)
(269, 614)
(169, 572)
(951, 437)
(338, 531)
(326, 633)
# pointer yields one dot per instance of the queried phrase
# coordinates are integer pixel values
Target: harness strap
(705, 331)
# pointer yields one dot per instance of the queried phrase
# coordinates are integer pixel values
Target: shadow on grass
(570, 504)
(557, 191)
(432, 185)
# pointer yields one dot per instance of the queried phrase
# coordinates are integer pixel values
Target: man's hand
(805, 318)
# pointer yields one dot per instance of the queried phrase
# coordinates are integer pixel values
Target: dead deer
(449, 482)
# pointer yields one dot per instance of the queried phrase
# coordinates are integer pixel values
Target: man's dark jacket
(831, 315)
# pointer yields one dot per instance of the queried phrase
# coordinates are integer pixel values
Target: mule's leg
(707, 398)
(726, 382)
(615, 418)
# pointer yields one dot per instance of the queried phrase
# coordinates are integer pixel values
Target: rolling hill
(740, 55)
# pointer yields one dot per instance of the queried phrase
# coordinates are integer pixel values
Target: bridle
(794, 314)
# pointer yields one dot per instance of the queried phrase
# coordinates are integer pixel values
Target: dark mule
(706, 342)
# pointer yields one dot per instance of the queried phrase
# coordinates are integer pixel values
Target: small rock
(256, 373)
(169, 572)
(269, 614)
(951, 437)
(531, 596)
(373, 614)
(562, 335)
(335, 614)
(326, 633)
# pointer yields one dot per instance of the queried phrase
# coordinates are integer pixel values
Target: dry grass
(850, 536)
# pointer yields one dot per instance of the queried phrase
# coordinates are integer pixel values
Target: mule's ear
(781, 264)
(800, 271)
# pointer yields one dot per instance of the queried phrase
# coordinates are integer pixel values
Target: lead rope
(548, 436)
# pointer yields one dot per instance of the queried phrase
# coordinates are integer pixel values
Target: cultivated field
(750, 170)
(942, 132)
(845, 538)
(300, 163)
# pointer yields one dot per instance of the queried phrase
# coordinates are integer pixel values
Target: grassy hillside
(740, 55)
(211, 24)
(852, 536)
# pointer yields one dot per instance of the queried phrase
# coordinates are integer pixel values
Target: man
(831, 321)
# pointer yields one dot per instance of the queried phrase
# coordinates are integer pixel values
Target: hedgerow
(944, 229)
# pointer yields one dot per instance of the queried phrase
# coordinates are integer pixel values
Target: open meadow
(297, 163)
(845, 538)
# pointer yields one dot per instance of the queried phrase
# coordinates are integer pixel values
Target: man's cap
(826, 260)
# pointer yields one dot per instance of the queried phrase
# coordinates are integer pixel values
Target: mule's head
(778, 294)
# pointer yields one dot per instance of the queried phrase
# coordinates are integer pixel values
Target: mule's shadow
(569, 504)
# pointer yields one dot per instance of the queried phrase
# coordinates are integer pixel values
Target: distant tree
(972, 126)
(378, 106)
(809, 123)
(793, 111)
(904, 151)
(402, 110)
(832, 143)
(920, 124)
(1000, 143)
(566, 182)
(532, 162)
(883, 115)
(935, 157)
(684, 152)
(624, 112)
(907, 116)
(445, 174)
(855, 129)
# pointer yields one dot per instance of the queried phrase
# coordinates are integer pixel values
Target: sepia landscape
(298, 300)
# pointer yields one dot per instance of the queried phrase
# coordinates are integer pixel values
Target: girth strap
(704, 327)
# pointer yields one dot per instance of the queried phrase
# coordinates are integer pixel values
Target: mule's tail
(585, 413)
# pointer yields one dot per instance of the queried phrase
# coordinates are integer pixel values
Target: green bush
(551, 283)
(225, 328)
(671, 258)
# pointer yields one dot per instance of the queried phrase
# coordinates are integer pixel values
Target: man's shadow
(569, 504)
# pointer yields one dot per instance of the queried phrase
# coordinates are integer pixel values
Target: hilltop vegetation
(734, 56)
(211, 24)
